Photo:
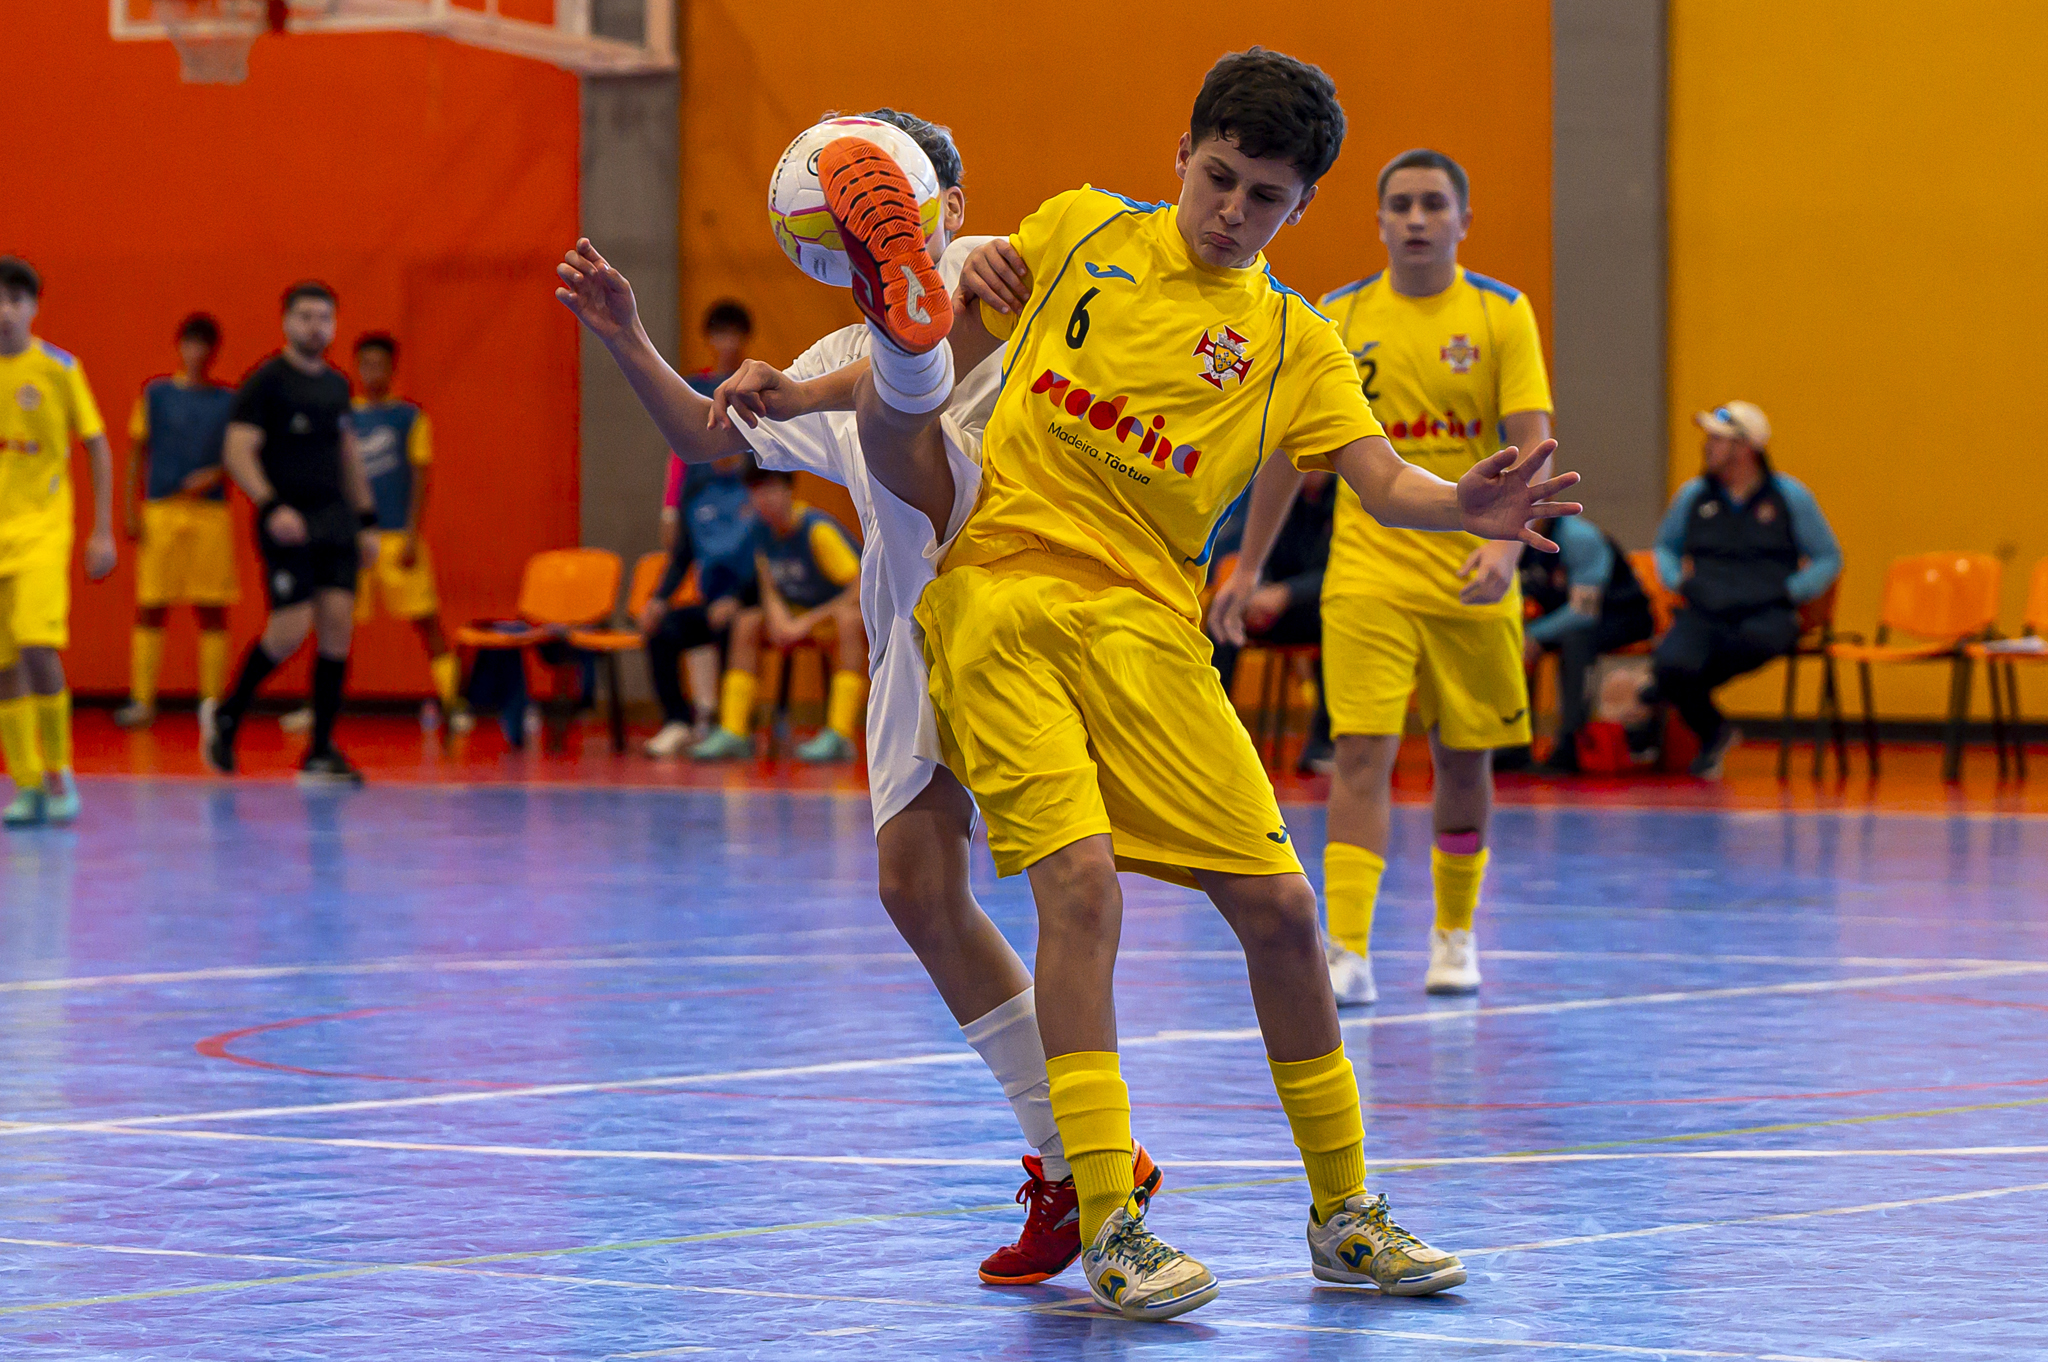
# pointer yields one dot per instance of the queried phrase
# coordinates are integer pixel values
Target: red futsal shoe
(894, 279)
(1051, 1239)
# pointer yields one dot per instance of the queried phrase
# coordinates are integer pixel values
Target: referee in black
(289, 447)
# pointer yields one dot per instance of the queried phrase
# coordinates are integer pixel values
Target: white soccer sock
(907, 382)
(1007, 1041)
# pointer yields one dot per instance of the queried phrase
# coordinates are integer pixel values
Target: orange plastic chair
(561, 592)
(1945, 601)
(1816, 636)
(2007, 655)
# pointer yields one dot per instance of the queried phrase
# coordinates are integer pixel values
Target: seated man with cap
(1745, 545)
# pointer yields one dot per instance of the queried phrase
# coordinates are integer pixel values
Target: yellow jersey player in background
(176, 506)
(1451, 360)
(44, 404)
(1154, 364)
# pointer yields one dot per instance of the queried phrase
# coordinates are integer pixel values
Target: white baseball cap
(1744, 421)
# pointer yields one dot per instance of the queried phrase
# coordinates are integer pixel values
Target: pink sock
(1458, 843)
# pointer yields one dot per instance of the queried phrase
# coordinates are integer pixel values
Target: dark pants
(1701, 652)
(1577, 650)
(1300, 623)
(680, 631)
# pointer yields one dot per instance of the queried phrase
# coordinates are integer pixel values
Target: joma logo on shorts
(1108, 414)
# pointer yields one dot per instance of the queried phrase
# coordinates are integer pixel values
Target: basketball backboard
(595, 37)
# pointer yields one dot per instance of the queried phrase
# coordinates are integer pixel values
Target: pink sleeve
(672, 494)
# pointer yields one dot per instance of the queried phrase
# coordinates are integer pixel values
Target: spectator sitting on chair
(809, 570)
(1286, 608)
(1592, 604)
(716, 534)
(1746, 546)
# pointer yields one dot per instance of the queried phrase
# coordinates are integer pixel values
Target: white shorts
(899, 556)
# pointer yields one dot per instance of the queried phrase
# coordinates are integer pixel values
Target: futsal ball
(802, 224)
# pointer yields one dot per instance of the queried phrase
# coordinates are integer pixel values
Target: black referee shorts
(328, 560)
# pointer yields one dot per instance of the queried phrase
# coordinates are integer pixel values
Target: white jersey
(898, 547)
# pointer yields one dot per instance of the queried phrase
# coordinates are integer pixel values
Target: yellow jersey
(1442, 370)
(44, 403)
(1141, 391)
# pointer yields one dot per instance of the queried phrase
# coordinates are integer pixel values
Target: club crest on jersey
(29, 397)
(1461, 354)
(1224, 355)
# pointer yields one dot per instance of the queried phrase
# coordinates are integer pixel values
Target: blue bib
(187, 428)
(383, 433)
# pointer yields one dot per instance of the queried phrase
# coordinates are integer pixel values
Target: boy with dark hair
(289, 447)
(45, 403)
(395, 444)
(177, 509)
(808, 568)
(819, 417)
(1453, 359)
(1153, 365)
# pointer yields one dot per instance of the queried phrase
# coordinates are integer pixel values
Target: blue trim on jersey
(1216, 530)
(1015, 347)
(1488, 285)
(1272, 279)
(1354, 286)
(1135, 205)
(1265, 412)
(63, 357)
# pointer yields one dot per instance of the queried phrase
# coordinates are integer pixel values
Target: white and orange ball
(797, 213)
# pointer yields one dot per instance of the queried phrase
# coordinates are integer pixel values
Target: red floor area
(393, 748)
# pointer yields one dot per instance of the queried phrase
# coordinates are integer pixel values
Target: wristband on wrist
(368, 519)
(264, 508)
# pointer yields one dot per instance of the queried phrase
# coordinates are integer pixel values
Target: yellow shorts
(35, 602)
(408, 592)
(1465, 672)
(187, 555)
(1073, 705)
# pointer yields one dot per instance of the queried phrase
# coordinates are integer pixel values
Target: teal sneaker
(61, 804)
(826, 747)
(722, 745)
(29, 809)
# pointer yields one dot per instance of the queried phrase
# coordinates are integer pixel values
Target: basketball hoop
(213, 37)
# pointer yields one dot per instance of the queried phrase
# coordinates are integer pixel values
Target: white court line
(536, 1151)
(432, 965)
(1433, 1017)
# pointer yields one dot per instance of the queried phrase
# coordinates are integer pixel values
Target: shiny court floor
(502, 1072)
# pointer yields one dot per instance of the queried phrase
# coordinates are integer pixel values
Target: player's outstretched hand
(755, 390)
(997, 275)
(598, 294)
(1499, 497)
(99, 555)
(1225, 619)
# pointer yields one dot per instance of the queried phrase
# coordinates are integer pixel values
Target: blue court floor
(460, 1072)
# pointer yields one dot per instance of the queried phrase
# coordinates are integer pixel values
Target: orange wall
(433, 185)
(1044, 97)
(1856, 227)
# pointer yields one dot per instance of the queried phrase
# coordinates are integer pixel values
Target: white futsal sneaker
(1350, 976)
(1453, 962)
(1362, 1246)
(1135, 1273)
(671, 741)
(298, 720)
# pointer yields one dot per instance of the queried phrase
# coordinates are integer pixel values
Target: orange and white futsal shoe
(1051, 1239)
(894, 279)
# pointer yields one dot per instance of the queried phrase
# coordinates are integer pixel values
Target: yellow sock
(145, 662)
(1092, 1108)
(53, 724)
(842, 708)
(1351, 888)
(1320, 1097)
(447, 674)
(213, 663)
(736, 703)
(1457, 880)
(18, 740)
